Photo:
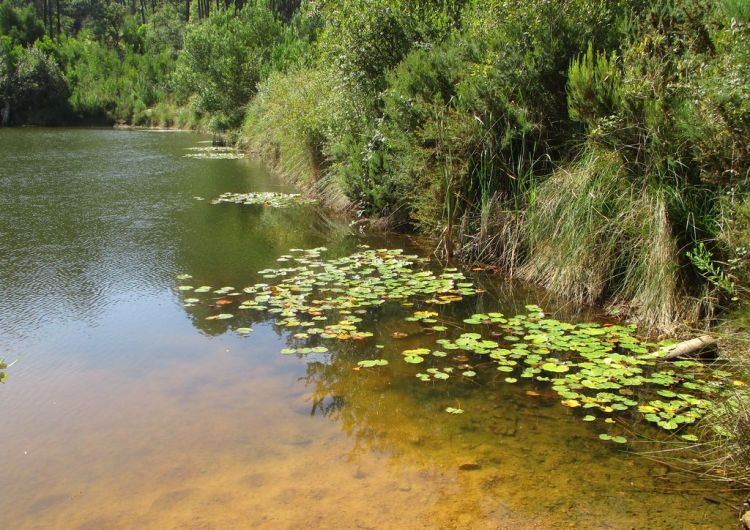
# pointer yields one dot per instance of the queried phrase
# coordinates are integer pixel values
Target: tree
(39, 89)
(7, 79)
(20, 24)
(225, 57)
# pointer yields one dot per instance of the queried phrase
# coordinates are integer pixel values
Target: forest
(600, 148)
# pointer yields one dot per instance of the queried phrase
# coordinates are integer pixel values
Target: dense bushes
(32, 85)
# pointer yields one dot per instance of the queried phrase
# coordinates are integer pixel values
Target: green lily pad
(370, 363)
(554, 367)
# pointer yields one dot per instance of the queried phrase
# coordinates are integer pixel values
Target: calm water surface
(123, 409)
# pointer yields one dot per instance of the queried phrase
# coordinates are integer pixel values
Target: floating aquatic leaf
(369, 363)
(452, 410)
(554, 367)
(244, 331)
(272, 199)
(221, 316)
(214, 152)
(413, 359)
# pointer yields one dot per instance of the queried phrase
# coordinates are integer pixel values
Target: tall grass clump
(597, 238)
(727, 456)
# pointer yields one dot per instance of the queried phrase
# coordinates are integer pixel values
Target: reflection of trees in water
(322, 401)
(230, 247)
(526, 454)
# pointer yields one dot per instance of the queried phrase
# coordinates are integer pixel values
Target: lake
(122, 408)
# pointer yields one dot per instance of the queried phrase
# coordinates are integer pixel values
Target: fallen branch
(689, 347)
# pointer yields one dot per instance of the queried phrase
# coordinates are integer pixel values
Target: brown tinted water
(123, 409)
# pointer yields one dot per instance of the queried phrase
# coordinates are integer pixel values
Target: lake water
(124, 409)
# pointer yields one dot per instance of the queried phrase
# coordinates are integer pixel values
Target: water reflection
(523, 454)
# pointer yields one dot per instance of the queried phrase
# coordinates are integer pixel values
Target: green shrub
(41, 93)
(20, 24)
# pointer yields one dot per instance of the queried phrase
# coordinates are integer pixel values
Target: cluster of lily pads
(600, 369)
(272, 199)
(323, 298)
(214, 152)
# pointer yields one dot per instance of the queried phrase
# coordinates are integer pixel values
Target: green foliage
(224, 59)
(739, 10)
(702, 260)
(363, 39)
(40, 92)
(20, 24)
(107, 22)
(594, 87)
(165, 30)
(109, 87)
(288, 121)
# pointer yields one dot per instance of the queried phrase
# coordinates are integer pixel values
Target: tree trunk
(48, 16)
(59, 26)
(5, 113)
(689, 347)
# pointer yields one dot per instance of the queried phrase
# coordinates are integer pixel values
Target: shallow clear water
(123, 409)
